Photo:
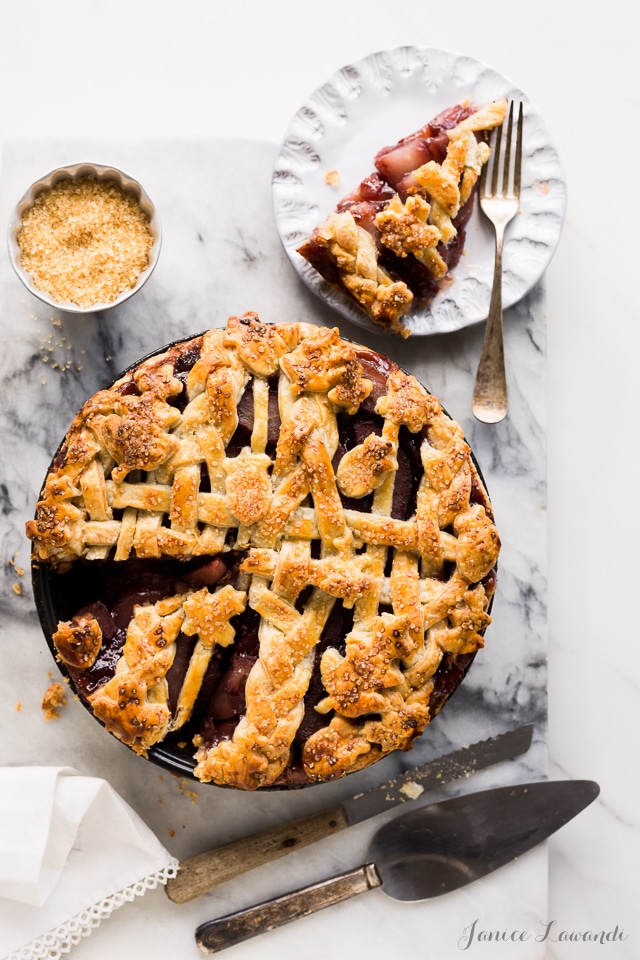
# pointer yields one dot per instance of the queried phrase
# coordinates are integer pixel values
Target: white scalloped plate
(374, 102)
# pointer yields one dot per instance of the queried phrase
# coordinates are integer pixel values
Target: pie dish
(394, 239)
(271, 544)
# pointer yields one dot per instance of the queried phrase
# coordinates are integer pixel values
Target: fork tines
(509, 183)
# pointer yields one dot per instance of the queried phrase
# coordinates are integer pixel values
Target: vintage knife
(213, 867)
(425, 853)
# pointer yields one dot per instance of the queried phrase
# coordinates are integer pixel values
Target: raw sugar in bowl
(84, 238)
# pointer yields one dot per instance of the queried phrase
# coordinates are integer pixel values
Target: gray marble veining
(221, 255)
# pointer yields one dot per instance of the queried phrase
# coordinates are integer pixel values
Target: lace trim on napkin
(52, 945)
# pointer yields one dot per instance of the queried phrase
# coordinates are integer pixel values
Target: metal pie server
(425, 853)
(213, 867)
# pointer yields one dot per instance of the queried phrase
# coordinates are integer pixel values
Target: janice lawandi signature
(551, 931)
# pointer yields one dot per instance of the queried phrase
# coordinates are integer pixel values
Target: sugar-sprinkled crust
(128, 483)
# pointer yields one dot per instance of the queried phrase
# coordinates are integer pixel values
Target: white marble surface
(198, 70)
(219, 257)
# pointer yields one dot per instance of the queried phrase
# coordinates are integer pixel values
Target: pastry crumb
(332, 177)
(411, 790)
(172, 833)
(19, 706)
(17, 589)
(53, 699)
(183, 787)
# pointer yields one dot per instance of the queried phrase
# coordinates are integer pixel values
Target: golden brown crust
(354, 253)
(324, 363)
(128, 482)
(259, 346)
(134, 705)
(134, 433)
(364, 468)
(78, 641)
(404, 230)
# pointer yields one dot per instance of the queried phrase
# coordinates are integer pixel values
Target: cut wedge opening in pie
(270, 546)
(392, 242)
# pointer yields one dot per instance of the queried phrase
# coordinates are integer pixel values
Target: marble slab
(221, 255)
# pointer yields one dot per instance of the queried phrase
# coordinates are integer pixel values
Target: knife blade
(206, 870)
(425, 853)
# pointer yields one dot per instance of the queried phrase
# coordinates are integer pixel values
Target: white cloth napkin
(71, 852)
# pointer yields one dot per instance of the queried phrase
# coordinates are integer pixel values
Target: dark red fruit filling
(242, 436)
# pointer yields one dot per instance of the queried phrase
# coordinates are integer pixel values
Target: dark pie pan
(175, 752)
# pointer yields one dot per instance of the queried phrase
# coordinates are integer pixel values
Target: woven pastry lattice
(145, 472)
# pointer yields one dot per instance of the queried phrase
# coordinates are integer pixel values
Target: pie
(392, 242)
(268, 544)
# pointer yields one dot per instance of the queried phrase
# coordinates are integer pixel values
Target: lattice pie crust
(300, 528)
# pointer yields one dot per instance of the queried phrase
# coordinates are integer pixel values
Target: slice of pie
(268, 547)
(393, 241)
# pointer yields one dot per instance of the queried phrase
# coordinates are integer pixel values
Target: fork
(499, 200)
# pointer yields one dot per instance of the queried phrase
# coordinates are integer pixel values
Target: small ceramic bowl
(75, 172)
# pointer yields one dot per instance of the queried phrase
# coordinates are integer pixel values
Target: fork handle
(490, 388)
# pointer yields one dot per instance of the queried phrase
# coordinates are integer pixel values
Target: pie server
(213, 867)
(424, 853)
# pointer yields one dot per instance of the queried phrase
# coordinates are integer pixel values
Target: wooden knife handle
(209, 869)
(226, 931)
